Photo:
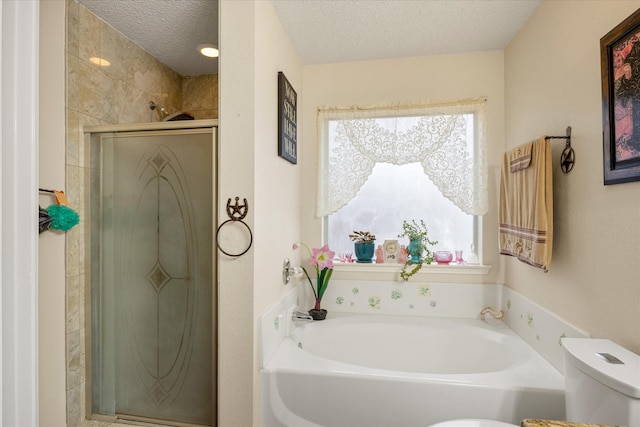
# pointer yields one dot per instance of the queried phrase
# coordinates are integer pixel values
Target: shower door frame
(90, 131)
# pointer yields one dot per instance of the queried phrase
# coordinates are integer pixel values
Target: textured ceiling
(354, 30)
(323, 31)
(170, 30)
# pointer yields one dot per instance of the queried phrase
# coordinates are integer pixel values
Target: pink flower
(323, 257)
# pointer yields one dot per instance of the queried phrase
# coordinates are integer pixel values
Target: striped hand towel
(526, 204)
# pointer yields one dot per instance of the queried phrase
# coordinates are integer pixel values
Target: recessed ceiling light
(99, 61)
(208, 50)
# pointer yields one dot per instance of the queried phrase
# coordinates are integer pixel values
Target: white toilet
(602, 386)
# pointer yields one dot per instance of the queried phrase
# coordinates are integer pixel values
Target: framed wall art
(620, 70)
(287, 120)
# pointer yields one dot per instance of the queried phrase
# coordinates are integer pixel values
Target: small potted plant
(364, 245)
(322, 260)
(419, 252)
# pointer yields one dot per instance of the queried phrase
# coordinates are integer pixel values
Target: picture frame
(287, 120)
(390, 249)
(620, 72)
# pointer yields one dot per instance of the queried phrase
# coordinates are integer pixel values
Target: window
(379, 167)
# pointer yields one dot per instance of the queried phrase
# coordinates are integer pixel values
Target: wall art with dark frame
(620, 69)
(287, 120)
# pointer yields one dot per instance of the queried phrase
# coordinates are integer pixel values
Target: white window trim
(346, 113)
(426, 270)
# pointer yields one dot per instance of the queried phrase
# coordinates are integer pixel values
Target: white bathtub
(393, 371)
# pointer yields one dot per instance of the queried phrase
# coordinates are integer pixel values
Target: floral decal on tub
(424, 291)
(375, 302)
(339, 300)
(396, 294)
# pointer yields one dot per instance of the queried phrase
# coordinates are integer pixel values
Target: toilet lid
(473, 423)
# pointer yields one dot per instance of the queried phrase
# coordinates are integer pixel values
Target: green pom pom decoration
(63, 217)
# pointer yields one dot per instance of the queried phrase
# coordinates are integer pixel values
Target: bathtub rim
(533, 373)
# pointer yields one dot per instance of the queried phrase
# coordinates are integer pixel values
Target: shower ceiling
(170, 30)
(323, 31)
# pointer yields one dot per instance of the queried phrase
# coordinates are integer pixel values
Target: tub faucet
(298, 315)
(494, 313)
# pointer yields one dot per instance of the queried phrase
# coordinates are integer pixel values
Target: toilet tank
(602, 382)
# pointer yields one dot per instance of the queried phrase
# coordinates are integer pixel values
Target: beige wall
(236, 179)
(256, 49)
(552, 73)
(277, 182)
(411, 80)
(52, 322)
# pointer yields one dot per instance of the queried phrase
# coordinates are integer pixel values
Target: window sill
(426, 269)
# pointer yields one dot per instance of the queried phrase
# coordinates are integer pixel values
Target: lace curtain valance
(353, 140)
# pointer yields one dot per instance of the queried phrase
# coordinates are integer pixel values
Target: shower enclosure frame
(89, 132)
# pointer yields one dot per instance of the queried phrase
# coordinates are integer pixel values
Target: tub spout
(494, 313)
(298, 315)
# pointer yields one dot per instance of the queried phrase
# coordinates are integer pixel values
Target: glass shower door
(155, 294)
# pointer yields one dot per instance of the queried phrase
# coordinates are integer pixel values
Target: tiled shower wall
(200, 96)
(117, 94)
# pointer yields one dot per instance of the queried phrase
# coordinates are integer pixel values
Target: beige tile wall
(200, 96)
(97, 95)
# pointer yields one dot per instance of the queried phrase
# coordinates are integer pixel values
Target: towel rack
(568, 156)
(236, 214)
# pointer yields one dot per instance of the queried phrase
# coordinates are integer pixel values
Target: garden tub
(396, 371)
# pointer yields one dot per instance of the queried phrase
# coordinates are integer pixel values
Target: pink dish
(443, 257)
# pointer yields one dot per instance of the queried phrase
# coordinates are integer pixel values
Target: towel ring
(236, 213)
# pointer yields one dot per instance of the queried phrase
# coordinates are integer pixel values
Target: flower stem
(315, 294)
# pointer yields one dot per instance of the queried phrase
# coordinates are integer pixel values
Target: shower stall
(152, 272)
